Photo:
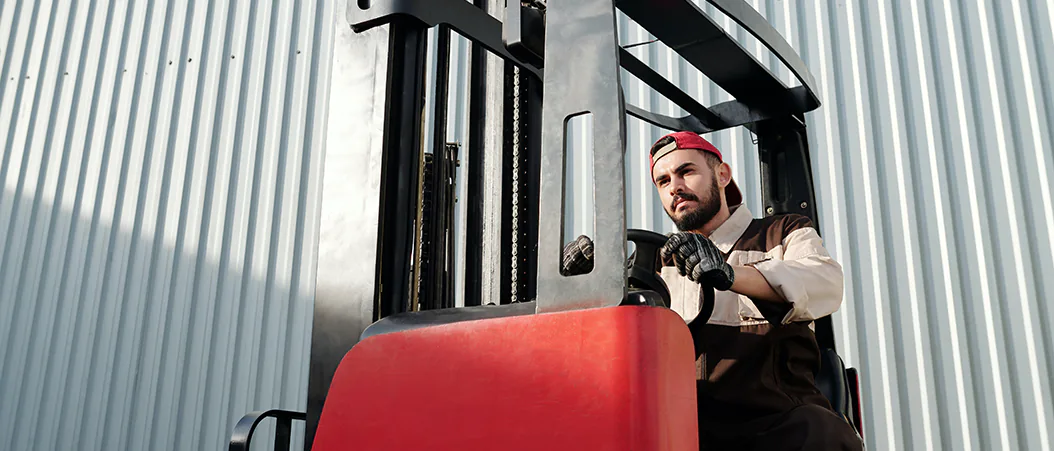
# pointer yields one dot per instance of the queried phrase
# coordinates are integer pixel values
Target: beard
(706, 210)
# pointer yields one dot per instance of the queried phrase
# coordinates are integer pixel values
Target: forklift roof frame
(758, 94)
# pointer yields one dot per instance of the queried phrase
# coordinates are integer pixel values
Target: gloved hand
(699, 259)
(577, 257)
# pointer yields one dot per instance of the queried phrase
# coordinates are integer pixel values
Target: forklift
(534, 359)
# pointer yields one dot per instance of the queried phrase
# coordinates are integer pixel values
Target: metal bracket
(786, 177)
(462, 16)
(591, 25)
(524, 32)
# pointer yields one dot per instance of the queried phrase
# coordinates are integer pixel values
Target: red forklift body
(619, 378)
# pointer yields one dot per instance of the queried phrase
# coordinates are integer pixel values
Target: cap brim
(732, 194)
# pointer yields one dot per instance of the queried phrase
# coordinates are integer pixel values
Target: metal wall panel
(160, 174)
(932, 165)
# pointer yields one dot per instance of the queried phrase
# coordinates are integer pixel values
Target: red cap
(690, 140)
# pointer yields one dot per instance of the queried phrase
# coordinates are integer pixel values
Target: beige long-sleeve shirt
(787, 251)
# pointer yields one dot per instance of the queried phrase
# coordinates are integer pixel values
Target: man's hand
(699, 259)
(577, 257)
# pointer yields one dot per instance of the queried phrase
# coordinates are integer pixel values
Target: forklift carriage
(585, 362)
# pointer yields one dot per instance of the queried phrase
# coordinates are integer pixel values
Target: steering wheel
(642, 273)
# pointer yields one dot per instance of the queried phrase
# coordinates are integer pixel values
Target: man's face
(689, 188)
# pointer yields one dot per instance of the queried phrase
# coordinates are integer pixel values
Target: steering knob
(643, 272)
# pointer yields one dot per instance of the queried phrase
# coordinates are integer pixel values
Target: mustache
(682, 196)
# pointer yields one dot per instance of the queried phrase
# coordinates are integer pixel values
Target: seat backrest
(618, 378)
(832, 381)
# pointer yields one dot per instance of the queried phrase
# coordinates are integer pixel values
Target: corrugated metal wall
(160, 173)
(932, 164)
(160, 170)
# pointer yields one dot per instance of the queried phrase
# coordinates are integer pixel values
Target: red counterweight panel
(620, 378)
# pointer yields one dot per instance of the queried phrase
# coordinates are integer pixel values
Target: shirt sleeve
(807, 277)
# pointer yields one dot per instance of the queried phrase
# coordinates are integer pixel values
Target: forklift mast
(541, 65)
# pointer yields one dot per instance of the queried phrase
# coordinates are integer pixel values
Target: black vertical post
(433, 286)
(476, 130)
(530, 184)
(400, 167)
(787, 186)
(282, 432)
(446, 250)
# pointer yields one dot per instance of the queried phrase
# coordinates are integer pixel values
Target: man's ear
(724, 174)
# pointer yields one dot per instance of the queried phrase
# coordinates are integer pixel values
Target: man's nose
(676, 186)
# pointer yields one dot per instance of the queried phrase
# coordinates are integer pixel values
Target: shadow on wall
(134, 336)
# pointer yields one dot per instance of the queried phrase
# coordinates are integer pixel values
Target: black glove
(577, 257)
(699, 259)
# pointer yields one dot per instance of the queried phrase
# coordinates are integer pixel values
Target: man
(757, 353)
